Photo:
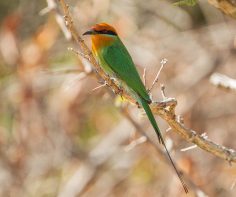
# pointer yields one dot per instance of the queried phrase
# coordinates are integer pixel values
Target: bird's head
(102, 35)
(101, 29)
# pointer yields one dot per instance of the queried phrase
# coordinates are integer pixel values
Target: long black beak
(89, 32)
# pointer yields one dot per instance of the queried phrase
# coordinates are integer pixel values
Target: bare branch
(135, 143)
(226, 6)
(164, 109)
(188, 148)
(79, 53)
(52, 7)
(191, 136)
(233, 184)
(163, 62)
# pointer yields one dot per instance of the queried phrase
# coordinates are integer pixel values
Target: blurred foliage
(7, 7)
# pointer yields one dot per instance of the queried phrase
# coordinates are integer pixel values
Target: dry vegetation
(59, 137)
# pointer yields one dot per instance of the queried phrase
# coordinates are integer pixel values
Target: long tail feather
(151, 118)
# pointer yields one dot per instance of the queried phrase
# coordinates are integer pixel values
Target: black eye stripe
(109, 32)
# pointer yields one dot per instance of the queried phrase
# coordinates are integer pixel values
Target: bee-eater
(116, 61)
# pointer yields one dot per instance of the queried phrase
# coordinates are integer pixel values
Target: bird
(115, 60)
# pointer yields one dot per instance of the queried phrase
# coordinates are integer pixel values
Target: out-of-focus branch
(52, 7)
(104, 151)
(164, 109)
(223, 81)
(226, 6)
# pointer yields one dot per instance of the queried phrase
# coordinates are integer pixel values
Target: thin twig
(159, 108)
(135, 143)
(188, 148)
(79, 53)
(163, 62)
(101, 86)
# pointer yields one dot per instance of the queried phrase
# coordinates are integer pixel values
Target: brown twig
(226, 6)
(159, 108)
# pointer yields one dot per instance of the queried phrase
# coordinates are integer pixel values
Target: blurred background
(58, 137)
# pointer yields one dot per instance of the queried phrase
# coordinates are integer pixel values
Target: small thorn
(99, 87)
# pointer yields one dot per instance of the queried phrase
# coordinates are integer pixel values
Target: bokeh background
(58, 137)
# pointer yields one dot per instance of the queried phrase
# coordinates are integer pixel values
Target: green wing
(120, 62)
(117, 59)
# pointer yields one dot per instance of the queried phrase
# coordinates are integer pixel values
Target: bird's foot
(120, 91)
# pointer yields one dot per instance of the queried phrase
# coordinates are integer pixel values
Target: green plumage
(116, 61)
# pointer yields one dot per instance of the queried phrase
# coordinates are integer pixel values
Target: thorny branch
(165, 109)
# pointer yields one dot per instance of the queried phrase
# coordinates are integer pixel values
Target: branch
(226, 6)
(52, 7)
(190, 135)
(163, 62)
(165, 109)
(223, 81)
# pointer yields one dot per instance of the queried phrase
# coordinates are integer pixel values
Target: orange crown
(103, 27)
